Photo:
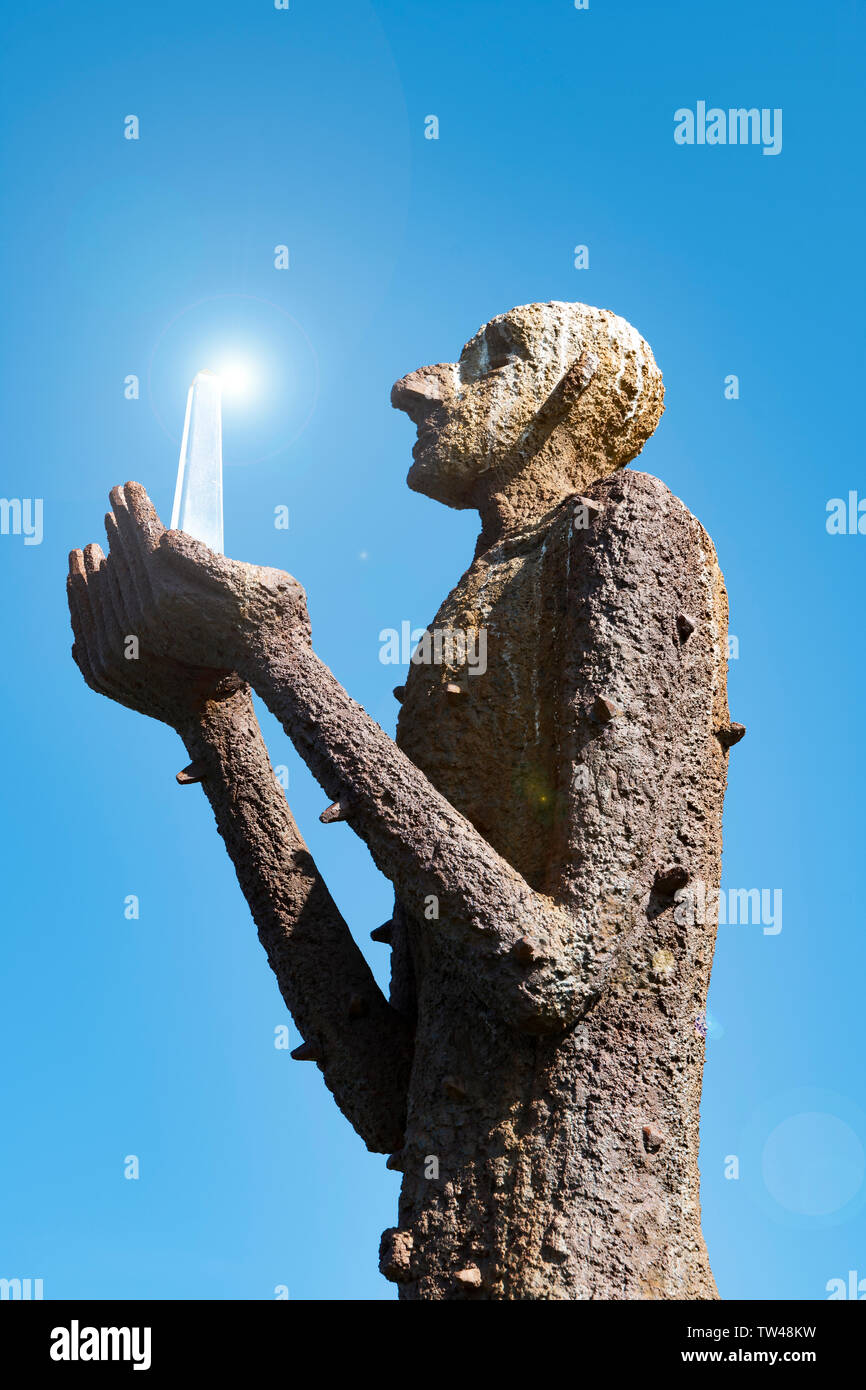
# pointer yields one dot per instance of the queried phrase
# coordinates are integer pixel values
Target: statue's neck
(510, 507)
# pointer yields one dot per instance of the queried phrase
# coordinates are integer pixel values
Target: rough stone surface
(555, 1127)
(537, 1071)
(543, 401)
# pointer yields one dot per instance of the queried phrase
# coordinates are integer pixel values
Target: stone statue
(536, 1073)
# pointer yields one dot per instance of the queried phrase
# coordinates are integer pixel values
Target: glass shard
(198, 496)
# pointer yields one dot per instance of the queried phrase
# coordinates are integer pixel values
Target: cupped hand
(114, 659)
(183, 601)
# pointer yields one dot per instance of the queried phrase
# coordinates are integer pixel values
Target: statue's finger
(135, 545)
(131, 557)
(79, 650)
(82, 621)
(143, 513)
(109, 640)
(79, 611)
(97, 639)
(125, 596)
(76, 564)
(122, 589)
(93, 557)
(112, 564)
(139, 524)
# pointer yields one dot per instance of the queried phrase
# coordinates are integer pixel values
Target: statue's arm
(361, 1044)
(643, 719)
(513, 942)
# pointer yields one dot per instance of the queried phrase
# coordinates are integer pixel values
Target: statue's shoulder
(627, 501)
(628, 489)
(629, 523)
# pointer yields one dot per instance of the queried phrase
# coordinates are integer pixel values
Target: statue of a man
(547, 818)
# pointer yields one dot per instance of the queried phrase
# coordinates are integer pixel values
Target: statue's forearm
(484, 908)
(362, 1043)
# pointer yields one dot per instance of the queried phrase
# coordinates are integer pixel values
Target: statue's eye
(492, 353)
(502, 359)
(501, 349)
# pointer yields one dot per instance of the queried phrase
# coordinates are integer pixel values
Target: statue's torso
(492, 748)
(549, 1135)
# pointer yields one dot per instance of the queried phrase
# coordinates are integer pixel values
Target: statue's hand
(116, 662)
(188, 603)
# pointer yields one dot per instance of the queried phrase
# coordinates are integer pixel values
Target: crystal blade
(198, 496)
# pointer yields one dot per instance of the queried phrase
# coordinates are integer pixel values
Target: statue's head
(560, 387)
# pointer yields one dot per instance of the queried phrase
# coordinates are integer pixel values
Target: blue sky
(153, 258)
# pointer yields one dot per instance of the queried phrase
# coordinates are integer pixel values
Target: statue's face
(480, 415)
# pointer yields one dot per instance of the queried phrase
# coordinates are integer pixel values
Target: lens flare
(238, 380)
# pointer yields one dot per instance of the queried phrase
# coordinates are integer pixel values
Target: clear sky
(155, 257)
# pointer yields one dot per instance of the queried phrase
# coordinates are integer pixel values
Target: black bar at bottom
(63, 1337)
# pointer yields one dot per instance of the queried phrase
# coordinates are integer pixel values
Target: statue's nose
(420, 388)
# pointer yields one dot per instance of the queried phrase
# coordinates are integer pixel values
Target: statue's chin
(431, 483)
(425, 475)
(419, 477)
(445, 480)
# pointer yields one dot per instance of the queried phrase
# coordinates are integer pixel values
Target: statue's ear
(576, 380)
(562, 400)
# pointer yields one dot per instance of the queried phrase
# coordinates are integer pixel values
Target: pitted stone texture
(572, 389)
(547, 1180)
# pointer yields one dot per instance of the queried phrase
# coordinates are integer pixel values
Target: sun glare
(237, 379)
